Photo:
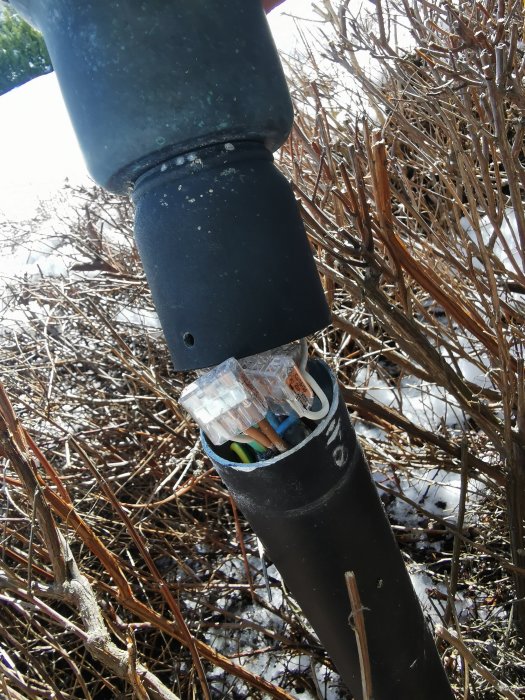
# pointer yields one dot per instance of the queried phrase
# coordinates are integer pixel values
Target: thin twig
(454, 568)
(469, 657)
(357, 621)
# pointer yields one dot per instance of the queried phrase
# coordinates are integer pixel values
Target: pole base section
(317, 512)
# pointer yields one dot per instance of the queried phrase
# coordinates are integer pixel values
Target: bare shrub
(416, 210)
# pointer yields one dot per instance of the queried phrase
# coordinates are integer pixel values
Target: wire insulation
(240, 452)
(259, 437)
(325, 404)
(270, 433)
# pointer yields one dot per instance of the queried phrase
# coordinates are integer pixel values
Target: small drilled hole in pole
(189, 340)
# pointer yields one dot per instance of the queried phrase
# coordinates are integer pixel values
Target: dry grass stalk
(358, 623)
(469, 658)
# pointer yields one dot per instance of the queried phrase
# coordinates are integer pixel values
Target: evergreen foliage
(23, 54)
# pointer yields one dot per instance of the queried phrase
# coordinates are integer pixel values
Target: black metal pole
(317, 512)
(181, 103)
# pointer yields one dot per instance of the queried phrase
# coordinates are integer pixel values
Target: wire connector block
(278, 379)
(224, 402)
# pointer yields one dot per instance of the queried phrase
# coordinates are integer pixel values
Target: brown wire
(270, 433)
(258, 436)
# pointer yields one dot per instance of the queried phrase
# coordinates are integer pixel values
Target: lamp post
(181, 104)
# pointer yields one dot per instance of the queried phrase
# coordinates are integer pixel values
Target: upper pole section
(181, 103)
(144, 81)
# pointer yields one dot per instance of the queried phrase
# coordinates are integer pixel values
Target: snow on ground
(505, 245)
(506, 254)
(40, 156)
(39, 153)
(423, 403)
(284, 23)
(254, 619)
(437, 491)
(433, 598)
(135, 316)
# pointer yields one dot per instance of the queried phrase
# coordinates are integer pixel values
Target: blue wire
(287, 423)
(272, 420)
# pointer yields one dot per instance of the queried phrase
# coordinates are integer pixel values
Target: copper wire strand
(259, 437)
(270, 433)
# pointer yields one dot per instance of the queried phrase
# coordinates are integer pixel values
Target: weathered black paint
(146, 80)
(317, 512)
(226, 255)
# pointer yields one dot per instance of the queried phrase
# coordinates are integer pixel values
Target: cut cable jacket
(305, 413)
(325, 405)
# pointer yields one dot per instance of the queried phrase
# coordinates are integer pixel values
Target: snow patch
(38, 146)
(433, 597)
(136, 316)
(426, 405)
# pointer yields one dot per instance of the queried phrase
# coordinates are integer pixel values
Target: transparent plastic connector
(278, 378)
(292, 350)
(224, 402)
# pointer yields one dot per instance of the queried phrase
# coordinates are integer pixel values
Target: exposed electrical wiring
(241, 452)
(261, 406)
(259, 437)
(273, 436)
